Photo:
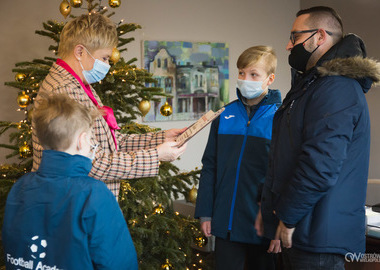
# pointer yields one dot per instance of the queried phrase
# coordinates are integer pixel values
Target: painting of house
(194, 74)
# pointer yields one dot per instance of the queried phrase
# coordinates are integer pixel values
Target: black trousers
(240, 256)
(296, 259)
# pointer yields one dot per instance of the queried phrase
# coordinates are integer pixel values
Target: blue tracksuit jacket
(59, 218)
(234, 167)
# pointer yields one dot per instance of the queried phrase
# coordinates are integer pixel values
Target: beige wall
(240, 23)
(362, 18)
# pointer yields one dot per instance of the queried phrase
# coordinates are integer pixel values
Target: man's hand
(284, 234)
(172, 134)
(274, 246)
(168, 151)
(206, 228)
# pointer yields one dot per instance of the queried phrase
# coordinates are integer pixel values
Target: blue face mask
(97, 73)
(250, 89)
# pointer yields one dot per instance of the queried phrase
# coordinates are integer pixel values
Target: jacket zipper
(237, 178)
(288, 123)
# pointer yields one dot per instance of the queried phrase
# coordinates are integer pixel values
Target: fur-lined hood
(348, 58)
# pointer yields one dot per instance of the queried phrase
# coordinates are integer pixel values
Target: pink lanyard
(109, 115)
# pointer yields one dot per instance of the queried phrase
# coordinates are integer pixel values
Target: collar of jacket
(63, 164)
(348, 58)
(300, 83)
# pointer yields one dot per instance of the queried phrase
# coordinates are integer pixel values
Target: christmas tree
(162, 237)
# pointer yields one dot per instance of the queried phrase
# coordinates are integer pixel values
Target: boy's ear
(81, 140)
(271, 79)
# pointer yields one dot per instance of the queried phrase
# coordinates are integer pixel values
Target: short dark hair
(319, 13)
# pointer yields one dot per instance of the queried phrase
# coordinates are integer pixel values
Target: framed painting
(195, 74)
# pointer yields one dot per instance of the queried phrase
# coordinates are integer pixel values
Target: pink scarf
(109, 115)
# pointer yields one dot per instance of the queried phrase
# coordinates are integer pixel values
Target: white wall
(240, 23)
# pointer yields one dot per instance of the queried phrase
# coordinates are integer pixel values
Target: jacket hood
(348, 58)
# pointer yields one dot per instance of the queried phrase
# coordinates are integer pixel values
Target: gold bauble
(65, 8)
(20, 77)
(76, 3)
(115, 56)
(23, 100)
(167, 265)
(201, 241)
(144, 106)
(166, 109)
(25, 151)
(114, 3)
(159, 209)
(193, 195)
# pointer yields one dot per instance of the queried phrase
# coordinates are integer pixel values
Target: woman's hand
(172, 134)
(168, 151)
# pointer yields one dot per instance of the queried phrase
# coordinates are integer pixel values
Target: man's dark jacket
(318, 164)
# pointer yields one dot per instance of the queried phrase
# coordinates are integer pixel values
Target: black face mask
(299, 56)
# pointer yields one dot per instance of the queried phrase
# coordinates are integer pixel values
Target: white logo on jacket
(38, 246)
(230, 116)
(38, 254)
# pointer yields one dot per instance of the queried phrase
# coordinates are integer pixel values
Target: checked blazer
(136, 155)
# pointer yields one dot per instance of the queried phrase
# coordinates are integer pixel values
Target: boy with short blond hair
(58, 217)
(235, 163)
(255, 54)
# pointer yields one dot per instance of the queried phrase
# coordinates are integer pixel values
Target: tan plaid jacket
(136, 155)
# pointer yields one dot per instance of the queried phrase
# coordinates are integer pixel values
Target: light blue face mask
(97, 73)
(250, 89)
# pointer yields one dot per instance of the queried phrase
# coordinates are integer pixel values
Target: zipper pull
(248, 123)
(291, 106)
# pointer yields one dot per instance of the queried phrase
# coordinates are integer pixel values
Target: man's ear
(322, 36)
(78, 51)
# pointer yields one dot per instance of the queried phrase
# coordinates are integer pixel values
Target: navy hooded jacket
(234, 167)
(59, 218)
(318, 165)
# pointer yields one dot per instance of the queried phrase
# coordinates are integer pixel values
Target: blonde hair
(254, 54)
(57, 119)
(94, 31)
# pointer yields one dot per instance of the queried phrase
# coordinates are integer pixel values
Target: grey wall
(240, 23)
(362, 18)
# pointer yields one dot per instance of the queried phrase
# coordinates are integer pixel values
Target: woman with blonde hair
(85, 48)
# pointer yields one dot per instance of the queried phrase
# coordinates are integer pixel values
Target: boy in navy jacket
(235, 164)
(58, 217)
